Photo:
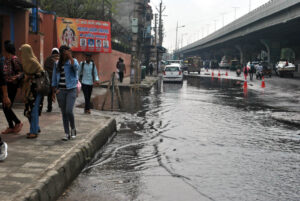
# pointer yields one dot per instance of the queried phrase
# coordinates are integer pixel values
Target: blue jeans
(34, 123)
(66, 101)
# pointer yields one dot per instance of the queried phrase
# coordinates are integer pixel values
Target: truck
(194, 64)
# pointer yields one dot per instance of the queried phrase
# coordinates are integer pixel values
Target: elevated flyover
(271, 27)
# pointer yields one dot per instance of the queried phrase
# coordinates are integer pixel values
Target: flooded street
(200, 140)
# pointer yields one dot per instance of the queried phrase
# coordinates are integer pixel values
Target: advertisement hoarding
(84, 35)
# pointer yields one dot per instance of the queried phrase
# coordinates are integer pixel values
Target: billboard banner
(84, 35)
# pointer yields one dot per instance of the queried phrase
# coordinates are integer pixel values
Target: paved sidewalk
(41, 169)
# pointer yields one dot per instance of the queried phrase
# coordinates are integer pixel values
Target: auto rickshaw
(267, 69)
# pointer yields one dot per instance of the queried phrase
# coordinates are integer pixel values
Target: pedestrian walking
(151, 68)
(6, 103)
(246, 71)
(122, 69)
(252, 70)
(88, 76)
(49, 64)
(64, 83)
(13, 75)
(33, 100)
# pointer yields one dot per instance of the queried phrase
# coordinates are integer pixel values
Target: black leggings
(11, 118)
(87, 92)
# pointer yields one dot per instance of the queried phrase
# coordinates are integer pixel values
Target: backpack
(82, 68)
(43, 83)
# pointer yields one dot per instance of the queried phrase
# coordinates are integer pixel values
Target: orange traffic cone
(219, 74)
(263, 84)
(212, 74)
(226, 73)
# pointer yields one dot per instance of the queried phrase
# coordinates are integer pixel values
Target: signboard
(84, 35)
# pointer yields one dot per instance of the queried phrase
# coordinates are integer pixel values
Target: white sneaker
(66, 138)
(3, 151)
(73, 133)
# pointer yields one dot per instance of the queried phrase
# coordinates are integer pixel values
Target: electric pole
(160, 33)
(235, 8)
(249, 6)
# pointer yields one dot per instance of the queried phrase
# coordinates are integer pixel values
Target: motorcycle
(259, 75)
(238, 72)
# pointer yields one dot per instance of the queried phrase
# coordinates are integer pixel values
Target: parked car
(283, 68)
(172, 73)
(225, 63)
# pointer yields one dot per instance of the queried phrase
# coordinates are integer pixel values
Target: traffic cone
(226, 74)
(212, 74)
(219, 74)
(263, 84)
(245, 83)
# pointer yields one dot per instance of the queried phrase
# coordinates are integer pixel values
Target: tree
(87, 9)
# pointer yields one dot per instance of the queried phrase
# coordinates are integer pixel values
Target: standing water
(200, 140)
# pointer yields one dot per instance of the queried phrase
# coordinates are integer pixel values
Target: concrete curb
(64, 170)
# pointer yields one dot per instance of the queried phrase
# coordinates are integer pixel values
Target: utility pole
(160, 27)
(176, 36)
(223, 15)
(155, 38)
(160, 33)
(215, 24)
(136, 42)
(249, 6)
(155, 29)
(235, 8)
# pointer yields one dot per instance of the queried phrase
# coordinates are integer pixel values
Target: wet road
(198, 141)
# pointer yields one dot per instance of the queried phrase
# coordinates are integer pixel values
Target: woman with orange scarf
(33, 101)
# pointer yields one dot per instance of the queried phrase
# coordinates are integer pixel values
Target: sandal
(31, 135)
(8, 131)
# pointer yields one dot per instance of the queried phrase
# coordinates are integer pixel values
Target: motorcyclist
(259, 71)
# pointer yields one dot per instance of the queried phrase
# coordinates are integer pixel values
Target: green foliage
(287, 54)
(87, 9)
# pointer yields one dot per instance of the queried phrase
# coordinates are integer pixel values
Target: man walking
(88, 76)
(6, 103)
(49, 64)
(122, 69)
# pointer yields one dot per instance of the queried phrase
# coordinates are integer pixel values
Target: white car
(173, 73)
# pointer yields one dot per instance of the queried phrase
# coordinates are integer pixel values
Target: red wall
(106, 63)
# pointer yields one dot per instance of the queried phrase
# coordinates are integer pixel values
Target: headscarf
(31, 66)
(30, 63)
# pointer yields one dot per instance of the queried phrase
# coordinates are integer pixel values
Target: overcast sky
(199, 17)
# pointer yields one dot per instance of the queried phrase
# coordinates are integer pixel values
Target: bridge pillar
(273, 49)
(240, 49)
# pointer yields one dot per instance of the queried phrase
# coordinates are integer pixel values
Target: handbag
(43, 83)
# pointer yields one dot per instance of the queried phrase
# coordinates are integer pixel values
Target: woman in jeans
(33, 100)
(13, 74)
(64, 83)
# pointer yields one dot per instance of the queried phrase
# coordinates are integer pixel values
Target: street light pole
(177, 27)
(235, 8)
(249, 6)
